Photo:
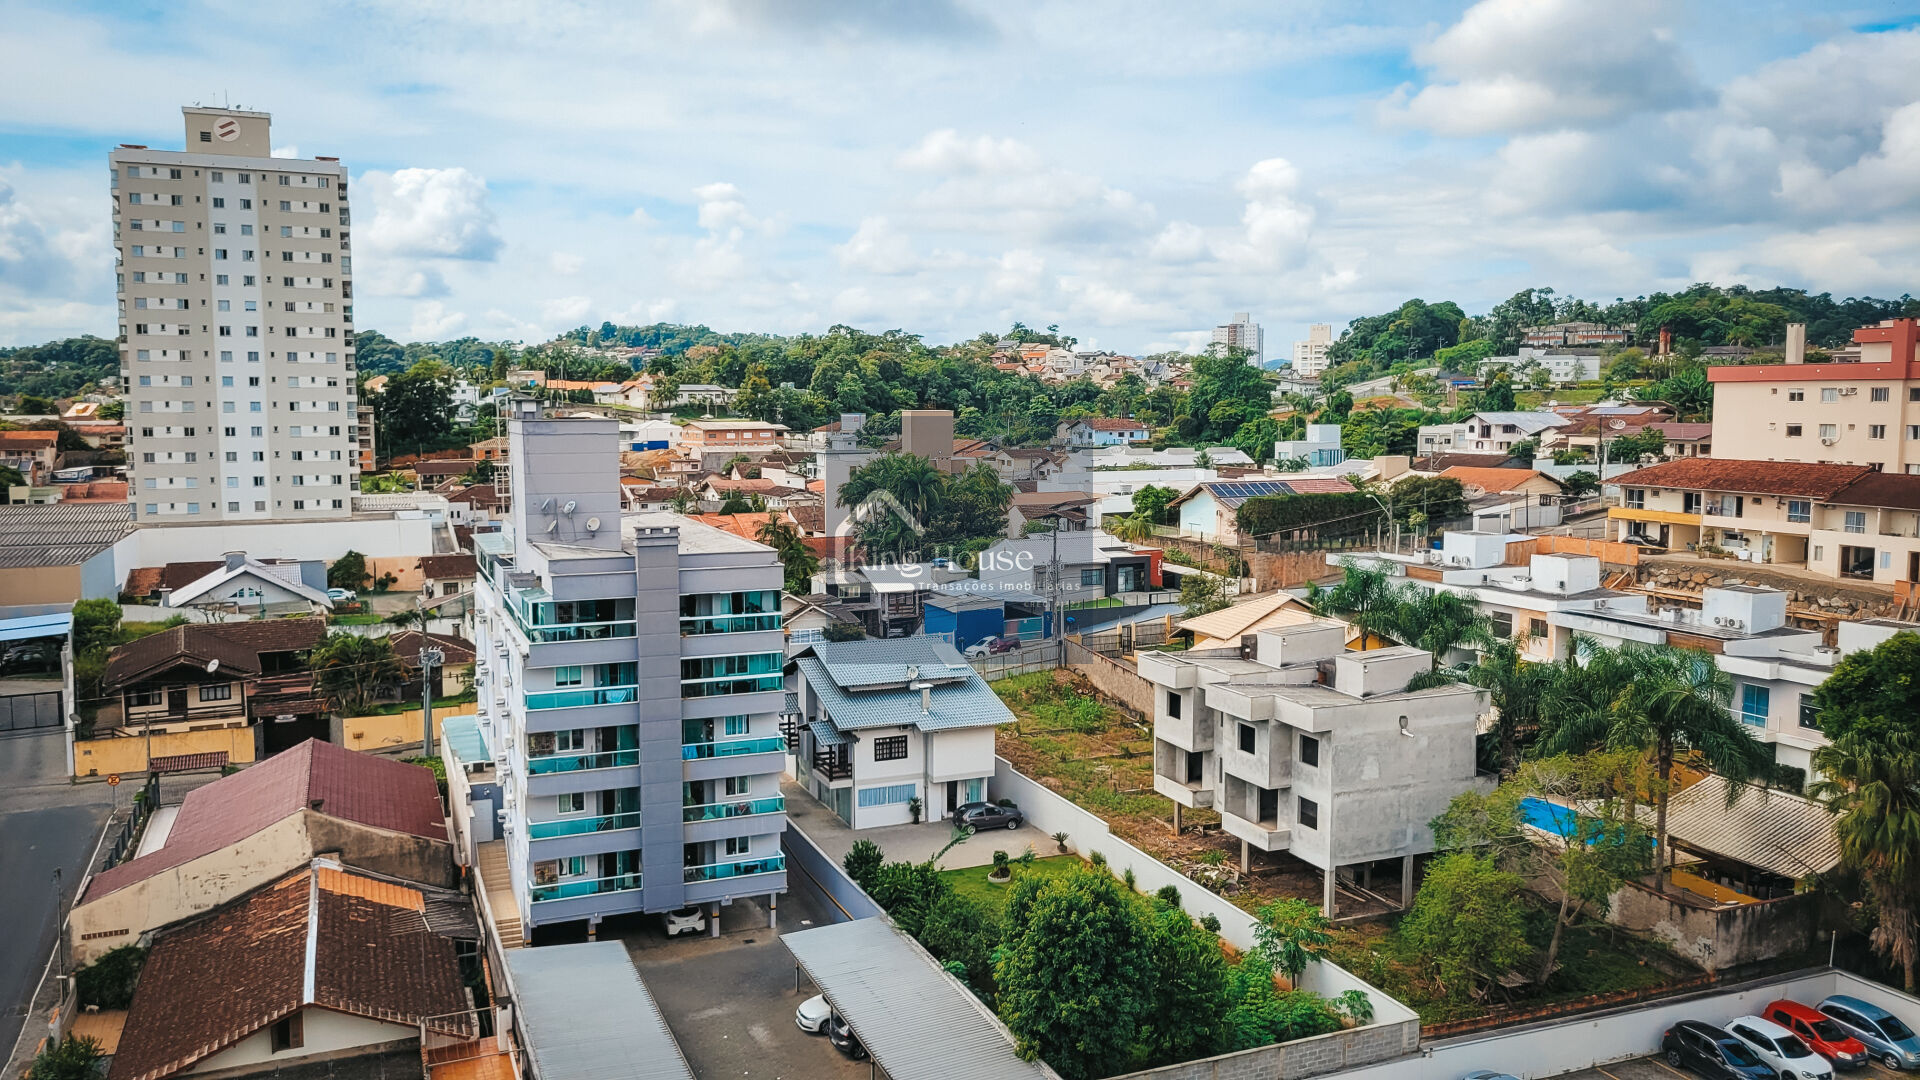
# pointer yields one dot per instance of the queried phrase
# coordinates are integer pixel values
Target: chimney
(926, 699)
(236, 559)
(1796, 343)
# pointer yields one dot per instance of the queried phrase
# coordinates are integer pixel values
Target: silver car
(1890, 1041)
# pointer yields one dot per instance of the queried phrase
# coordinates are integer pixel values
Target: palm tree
(796, 557)
(1874, 785)
(1517, 686)
(1659, 698)
(1133, 528)
(1363, 595)
(1435, 620)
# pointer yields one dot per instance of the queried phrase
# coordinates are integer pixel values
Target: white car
(1780, 1049)
(687, 920)
(340, 596)
(811, 1016)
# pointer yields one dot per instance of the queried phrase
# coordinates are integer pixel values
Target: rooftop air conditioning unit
(1849, 391)
(1828, 440)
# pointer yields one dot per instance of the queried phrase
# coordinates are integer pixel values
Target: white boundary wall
(1087, 833)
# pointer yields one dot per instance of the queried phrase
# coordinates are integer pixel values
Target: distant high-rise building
(1310, 356)
(1242, 333)
(234, 280)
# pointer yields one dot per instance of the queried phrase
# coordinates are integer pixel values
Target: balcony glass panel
(771, 864)
(586, 823)
(728, 624)
(567, 890)
(595, 631)
(733, 748)
(563, 763)
(737, 808)
(722, 687)
(573, 699)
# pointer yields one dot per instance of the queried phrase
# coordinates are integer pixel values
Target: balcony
(739, 808)
(565, 763)
(691, 625)
(574, 699)
(545, 634)
(834, 764)
(592, 823)
(772, 864)
(725, 686)
(568, 890)
(731, 748)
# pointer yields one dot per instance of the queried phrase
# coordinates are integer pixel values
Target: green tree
(1660, 698)
(96, 625)
(955, 929)
(1256, 437)
(1434, 620)
(415, 411)
(1871, 779)
(109, 981)
(1874, 692)
(1497, 395)
(349, 571)
(1581, 483)
(1201, 593)
(796, 558)
(1630, 449)
(76, 1057)
(1190, 988)
(863, 860)
(1260, 1014)
(353, 669)
(11, 477)
(1075, 973)
(1468, 923)
(1292, 934)
(1152, 500)
(1516, 688)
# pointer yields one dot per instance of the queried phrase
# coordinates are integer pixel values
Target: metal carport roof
(917, 1021)
(587, 1016)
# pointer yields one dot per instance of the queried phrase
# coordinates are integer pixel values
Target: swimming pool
(1548, 817)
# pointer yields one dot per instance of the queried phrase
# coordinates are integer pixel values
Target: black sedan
(843, 1040)
(978, 816)
(1712, 1053)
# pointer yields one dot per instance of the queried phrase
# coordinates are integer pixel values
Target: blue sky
(1133, 172)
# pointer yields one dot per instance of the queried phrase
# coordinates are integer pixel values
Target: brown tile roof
(373, 791)
(1106, 423)
(481, 496)
(436, 567)
(1679, 432)
(95, 491)
(237, 646)
(746, 526)
(1898, 491)
(444, 467)
(1443, 461)
(406, 645)
(810, 518)
(29, 440)
(1492, 479)
(1052, 500)
(1798, 478)
(214, 980)
(147, 580)
(724, 486)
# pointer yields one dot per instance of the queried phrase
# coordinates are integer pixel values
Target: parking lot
(730, 1000)
(1653, 1068)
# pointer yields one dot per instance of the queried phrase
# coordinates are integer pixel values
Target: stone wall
(1719, 936)
(1317, 1056)
(1286, 569)
(1112, 678)
(1834, 597)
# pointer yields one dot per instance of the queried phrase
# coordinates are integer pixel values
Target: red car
(1819, 1032)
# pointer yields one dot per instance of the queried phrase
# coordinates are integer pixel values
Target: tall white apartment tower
(1243, 333)
(235, 287)
(1310, 356)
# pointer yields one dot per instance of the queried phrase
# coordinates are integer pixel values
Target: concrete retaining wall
(128, 754)
(848, 899)
(1720, 937)
(1111, 677)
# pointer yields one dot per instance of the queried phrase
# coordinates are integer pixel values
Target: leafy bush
(862, 862)
(76, 1057)
(109, 981)
(1332, 513)
(1168, 895)
(1210, 921)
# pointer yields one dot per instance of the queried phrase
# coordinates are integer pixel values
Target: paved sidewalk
(913, 843)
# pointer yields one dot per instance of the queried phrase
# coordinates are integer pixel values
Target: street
(46, 824)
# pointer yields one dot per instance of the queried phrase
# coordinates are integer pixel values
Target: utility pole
(431, 657)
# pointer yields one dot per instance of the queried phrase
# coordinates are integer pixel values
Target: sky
(1132, 172)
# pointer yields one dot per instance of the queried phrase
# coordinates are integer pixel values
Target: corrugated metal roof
(1774, 830)
(965, 703)
(461, 735)
(62, 533)
(589, 1017)
(915, 1019)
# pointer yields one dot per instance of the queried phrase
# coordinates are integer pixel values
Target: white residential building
(888, 722)
(630, 688)
(1242, 333)
(1305, 747)
(1310, 356)
(1320, 449)
(234, 282)
(1564, 368)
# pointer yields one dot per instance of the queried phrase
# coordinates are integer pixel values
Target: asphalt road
(46, 824)
(730, 1000)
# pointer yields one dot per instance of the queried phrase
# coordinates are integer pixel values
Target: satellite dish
(546, 506)
(552, 525)
(213, 666)
(593, 524)
(1617, 424)
(568, 508)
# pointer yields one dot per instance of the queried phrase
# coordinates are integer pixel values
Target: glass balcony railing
(567, 890)
(588, 823)
(573, 699)
(590, 631)
(772, 864)
(564, 763)
(728, 624)
(732, 748)
(738, 808)
(721, 687)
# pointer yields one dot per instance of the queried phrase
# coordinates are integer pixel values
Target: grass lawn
(1105, 601)
(972, 882)
(1572, 395)
(354, 620)
(395, 708)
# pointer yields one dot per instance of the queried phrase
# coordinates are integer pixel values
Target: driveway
(730, 1000)
(912, 843)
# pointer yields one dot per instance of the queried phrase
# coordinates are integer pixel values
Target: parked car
(1888, 1040)
(979, 816)
(686, 920)
(1712, 1053)
(341, 596)
(1780, 1048)
(813, 1013)
(1819, 1032)
(841, 1036)
(993, 646)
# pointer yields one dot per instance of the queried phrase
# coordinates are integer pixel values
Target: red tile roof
(95, 491)
(1898, 491)
(436, 567)
(340, 783)
(1495, 480)
(1316, 485)
(238, 647)
(211, 981)
(1798, 478)
(29, 440)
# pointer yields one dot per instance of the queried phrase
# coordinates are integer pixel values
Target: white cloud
(724, 209)
(432, 321)
(1179, 242)
(947, 151)
(877, 248)
(1521, 65)
(641, 218)
(429, 213)
(567, 310)
(285, 152)
(566, 263)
